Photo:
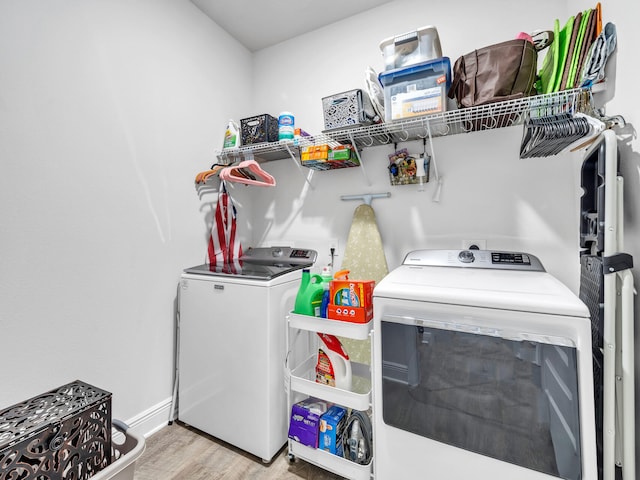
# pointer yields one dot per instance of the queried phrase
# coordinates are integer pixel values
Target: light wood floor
(181, 452)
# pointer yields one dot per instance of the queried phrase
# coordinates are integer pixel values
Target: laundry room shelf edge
(453, 122)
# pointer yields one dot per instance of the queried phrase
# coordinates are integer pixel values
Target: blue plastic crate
(420, 89)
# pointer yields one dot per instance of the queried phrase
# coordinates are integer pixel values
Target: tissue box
(304, 425)
(331, 426)
(315, 152)
(341, 152)
(63, 433)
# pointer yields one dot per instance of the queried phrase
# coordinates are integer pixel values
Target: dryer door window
(513, 400)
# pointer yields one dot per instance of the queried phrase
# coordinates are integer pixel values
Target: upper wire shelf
(485, 117)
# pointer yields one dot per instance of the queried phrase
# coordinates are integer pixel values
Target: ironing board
(363, 254)
(364, 258)
(606, 287)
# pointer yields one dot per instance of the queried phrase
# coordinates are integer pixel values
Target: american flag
(224, 250)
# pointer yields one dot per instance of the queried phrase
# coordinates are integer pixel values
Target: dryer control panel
(475, 259)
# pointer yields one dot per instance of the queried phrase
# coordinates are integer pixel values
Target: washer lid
(254, 271)
(506, 289)
(260, 263)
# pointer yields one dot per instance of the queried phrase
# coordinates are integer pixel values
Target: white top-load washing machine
(232, 350)
(482, 370)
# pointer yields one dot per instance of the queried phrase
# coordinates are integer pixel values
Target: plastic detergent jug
(309, 297)
(231, 135)
(333, 366)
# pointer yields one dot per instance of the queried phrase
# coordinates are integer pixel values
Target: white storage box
(409, 48)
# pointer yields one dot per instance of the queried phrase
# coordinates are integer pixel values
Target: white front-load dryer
(482, 369)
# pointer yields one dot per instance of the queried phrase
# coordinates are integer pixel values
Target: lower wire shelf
(330, 462)
(303, 381)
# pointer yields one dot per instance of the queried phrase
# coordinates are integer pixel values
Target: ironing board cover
(365, 260)
(364, 255)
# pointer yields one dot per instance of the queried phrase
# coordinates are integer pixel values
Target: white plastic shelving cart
(301, 360)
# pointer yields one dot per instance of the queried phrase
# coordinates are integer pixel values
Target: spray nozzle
(342, 275)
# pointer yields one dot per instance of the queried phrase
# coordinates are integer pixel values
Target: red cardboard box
(350, 314)
(352, 293)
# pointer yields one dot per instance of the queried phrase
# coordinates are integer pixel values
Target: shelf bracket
(438, 178)
(357, 152)
(297, 164)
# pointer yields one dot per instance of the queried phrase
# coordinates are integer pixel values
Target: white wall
(107, 112)
(488, 193)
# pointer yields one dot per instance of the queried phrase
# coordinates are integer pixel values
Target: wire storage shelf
(484, 117)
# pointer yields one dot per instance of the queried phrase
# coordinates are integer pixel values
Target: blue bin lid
(442, 64)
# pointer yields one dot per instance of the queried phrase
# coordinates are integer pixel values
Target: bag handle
(526, 46)
(474, 76)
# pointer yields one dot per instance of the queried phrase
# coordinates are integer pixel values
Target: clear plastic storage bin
(417, 90)
(409, 48)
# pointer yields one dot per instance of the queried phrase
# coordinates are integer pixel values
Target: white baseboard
(151, 420)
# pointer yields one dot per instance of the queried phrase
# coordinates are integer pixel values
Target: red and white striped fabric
(224, 250)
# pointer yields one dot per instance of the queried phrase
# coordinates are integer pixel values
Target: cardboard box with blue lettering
(331, 427)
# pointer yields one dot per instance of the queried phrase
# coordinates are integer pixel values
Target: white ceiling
(259, 24)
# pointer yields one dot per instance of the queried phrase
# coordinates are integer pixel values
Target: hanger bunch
(552, 134)
(248, 172)
(214, 170)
